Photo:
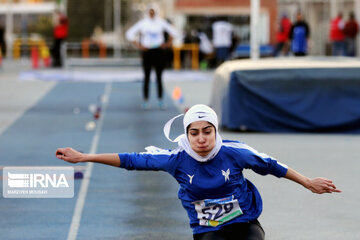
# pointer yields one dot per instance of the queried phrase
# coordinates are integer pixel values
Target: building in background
(202, 13)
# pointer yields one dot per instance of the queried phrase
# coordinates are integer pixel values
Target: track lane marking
(80, 202)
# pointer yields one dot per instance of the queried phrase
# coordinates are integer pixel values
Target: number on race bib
(213, 212)
(218, 209)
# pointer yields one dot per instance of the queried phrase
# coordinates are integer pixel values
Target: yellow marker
(213, 223)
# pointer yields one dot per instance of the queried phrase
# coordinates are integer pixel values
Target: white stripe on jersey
(159, 151)
(244, 146)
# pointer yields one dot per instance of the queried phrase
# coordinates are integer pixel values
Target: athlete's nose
(202, 138)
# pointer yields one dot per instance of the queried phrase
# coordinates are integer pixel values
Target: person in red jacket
(61, 25)
(351, 30)
(282, 36)
(337, 36)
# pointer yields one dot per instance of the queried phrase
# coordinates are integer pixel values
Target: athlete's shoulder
(243, 148)
(234, 144)
(145, 22)
(239, 147)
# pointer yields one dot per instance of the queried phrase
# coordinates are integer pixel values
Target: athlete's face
(201, 136)
(152, 13)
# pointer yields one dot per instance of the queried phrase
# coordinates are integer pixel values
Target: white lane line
(75, 222)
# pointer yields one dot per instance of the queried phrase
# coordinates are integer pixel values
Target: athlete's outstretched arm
(316, 185)
(72, 156)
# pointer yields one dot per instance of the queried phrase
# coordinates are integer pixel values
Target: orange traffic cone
(34, 57)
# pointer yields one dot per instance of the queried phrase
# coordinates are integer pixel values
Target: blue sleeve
(262, 163)
(247, 157)
(148, 161)
(266, 166)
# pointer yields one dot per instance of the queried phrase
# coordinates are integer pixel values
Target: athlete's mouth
(202, 147)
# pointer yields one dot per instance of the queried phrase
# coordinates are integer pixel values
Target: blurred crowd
(293, 38)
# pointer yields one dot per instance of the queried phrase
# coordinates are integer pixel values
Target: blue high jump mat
(289, 95)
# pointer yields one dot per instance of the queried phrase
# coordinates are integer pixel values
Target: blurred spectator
(168, 51)
(2, 40)
(206, 49)
(191, 37)
(152, 44)
(61, 25)
(222, 40)
(299, 35)
(282, 36)
(351, 30)
(97, 34)
(337, 36)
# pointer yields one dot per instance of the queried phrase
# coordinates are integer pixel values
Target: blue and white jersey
(299, 35)
(214, 193)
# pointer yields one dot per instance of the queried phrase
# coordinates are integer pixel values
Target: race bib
(154, 39)
(214, 212)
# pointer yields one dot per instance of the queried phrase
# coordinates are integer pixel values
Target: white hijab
(154, 7)
(196, 113)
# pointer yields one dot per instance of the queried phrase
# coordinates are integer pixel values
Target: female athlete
(220, 202)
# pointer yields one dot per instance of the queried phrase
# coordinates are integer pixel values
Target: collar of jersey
(185, 144)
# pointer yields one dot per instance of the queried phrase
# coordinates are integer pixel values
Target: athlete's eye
(193, 133)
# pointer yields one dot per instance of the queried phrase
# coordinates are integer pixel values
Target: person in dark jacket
(299, 35)
(351, 30)
(2, 40)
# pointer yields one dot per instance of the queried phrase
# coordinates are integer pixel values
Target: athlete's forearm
(111, 159)
(297, 177)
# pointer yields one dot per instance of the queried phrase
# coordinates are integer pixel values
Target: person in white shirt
(222, 39)
(152, 44)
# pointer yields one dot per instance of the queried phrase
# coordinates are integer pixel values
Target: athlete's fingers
(336, 190)
(59, 152)
(332, 186)
(327, 187)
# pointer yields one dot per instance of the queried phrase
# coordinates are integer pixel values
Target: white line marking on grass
(75, 222)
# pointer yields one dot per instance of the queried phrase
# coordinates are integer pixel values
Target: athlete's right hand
(69, 155)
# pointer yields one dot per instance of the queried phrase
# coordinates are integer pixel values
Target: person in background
(282, 36)
(169, 55)
(222, 32)
(2, 40)
(191, 37)
(152, 44)
(61, 26)
(337, 36)
(351, 30)
(205, 49)
(299, 35)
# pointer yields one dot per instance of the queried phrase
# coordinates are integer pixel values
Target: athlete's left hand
(322, 185)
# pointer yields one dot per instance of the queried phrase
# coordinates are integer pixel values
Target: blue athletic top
(219, 182)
